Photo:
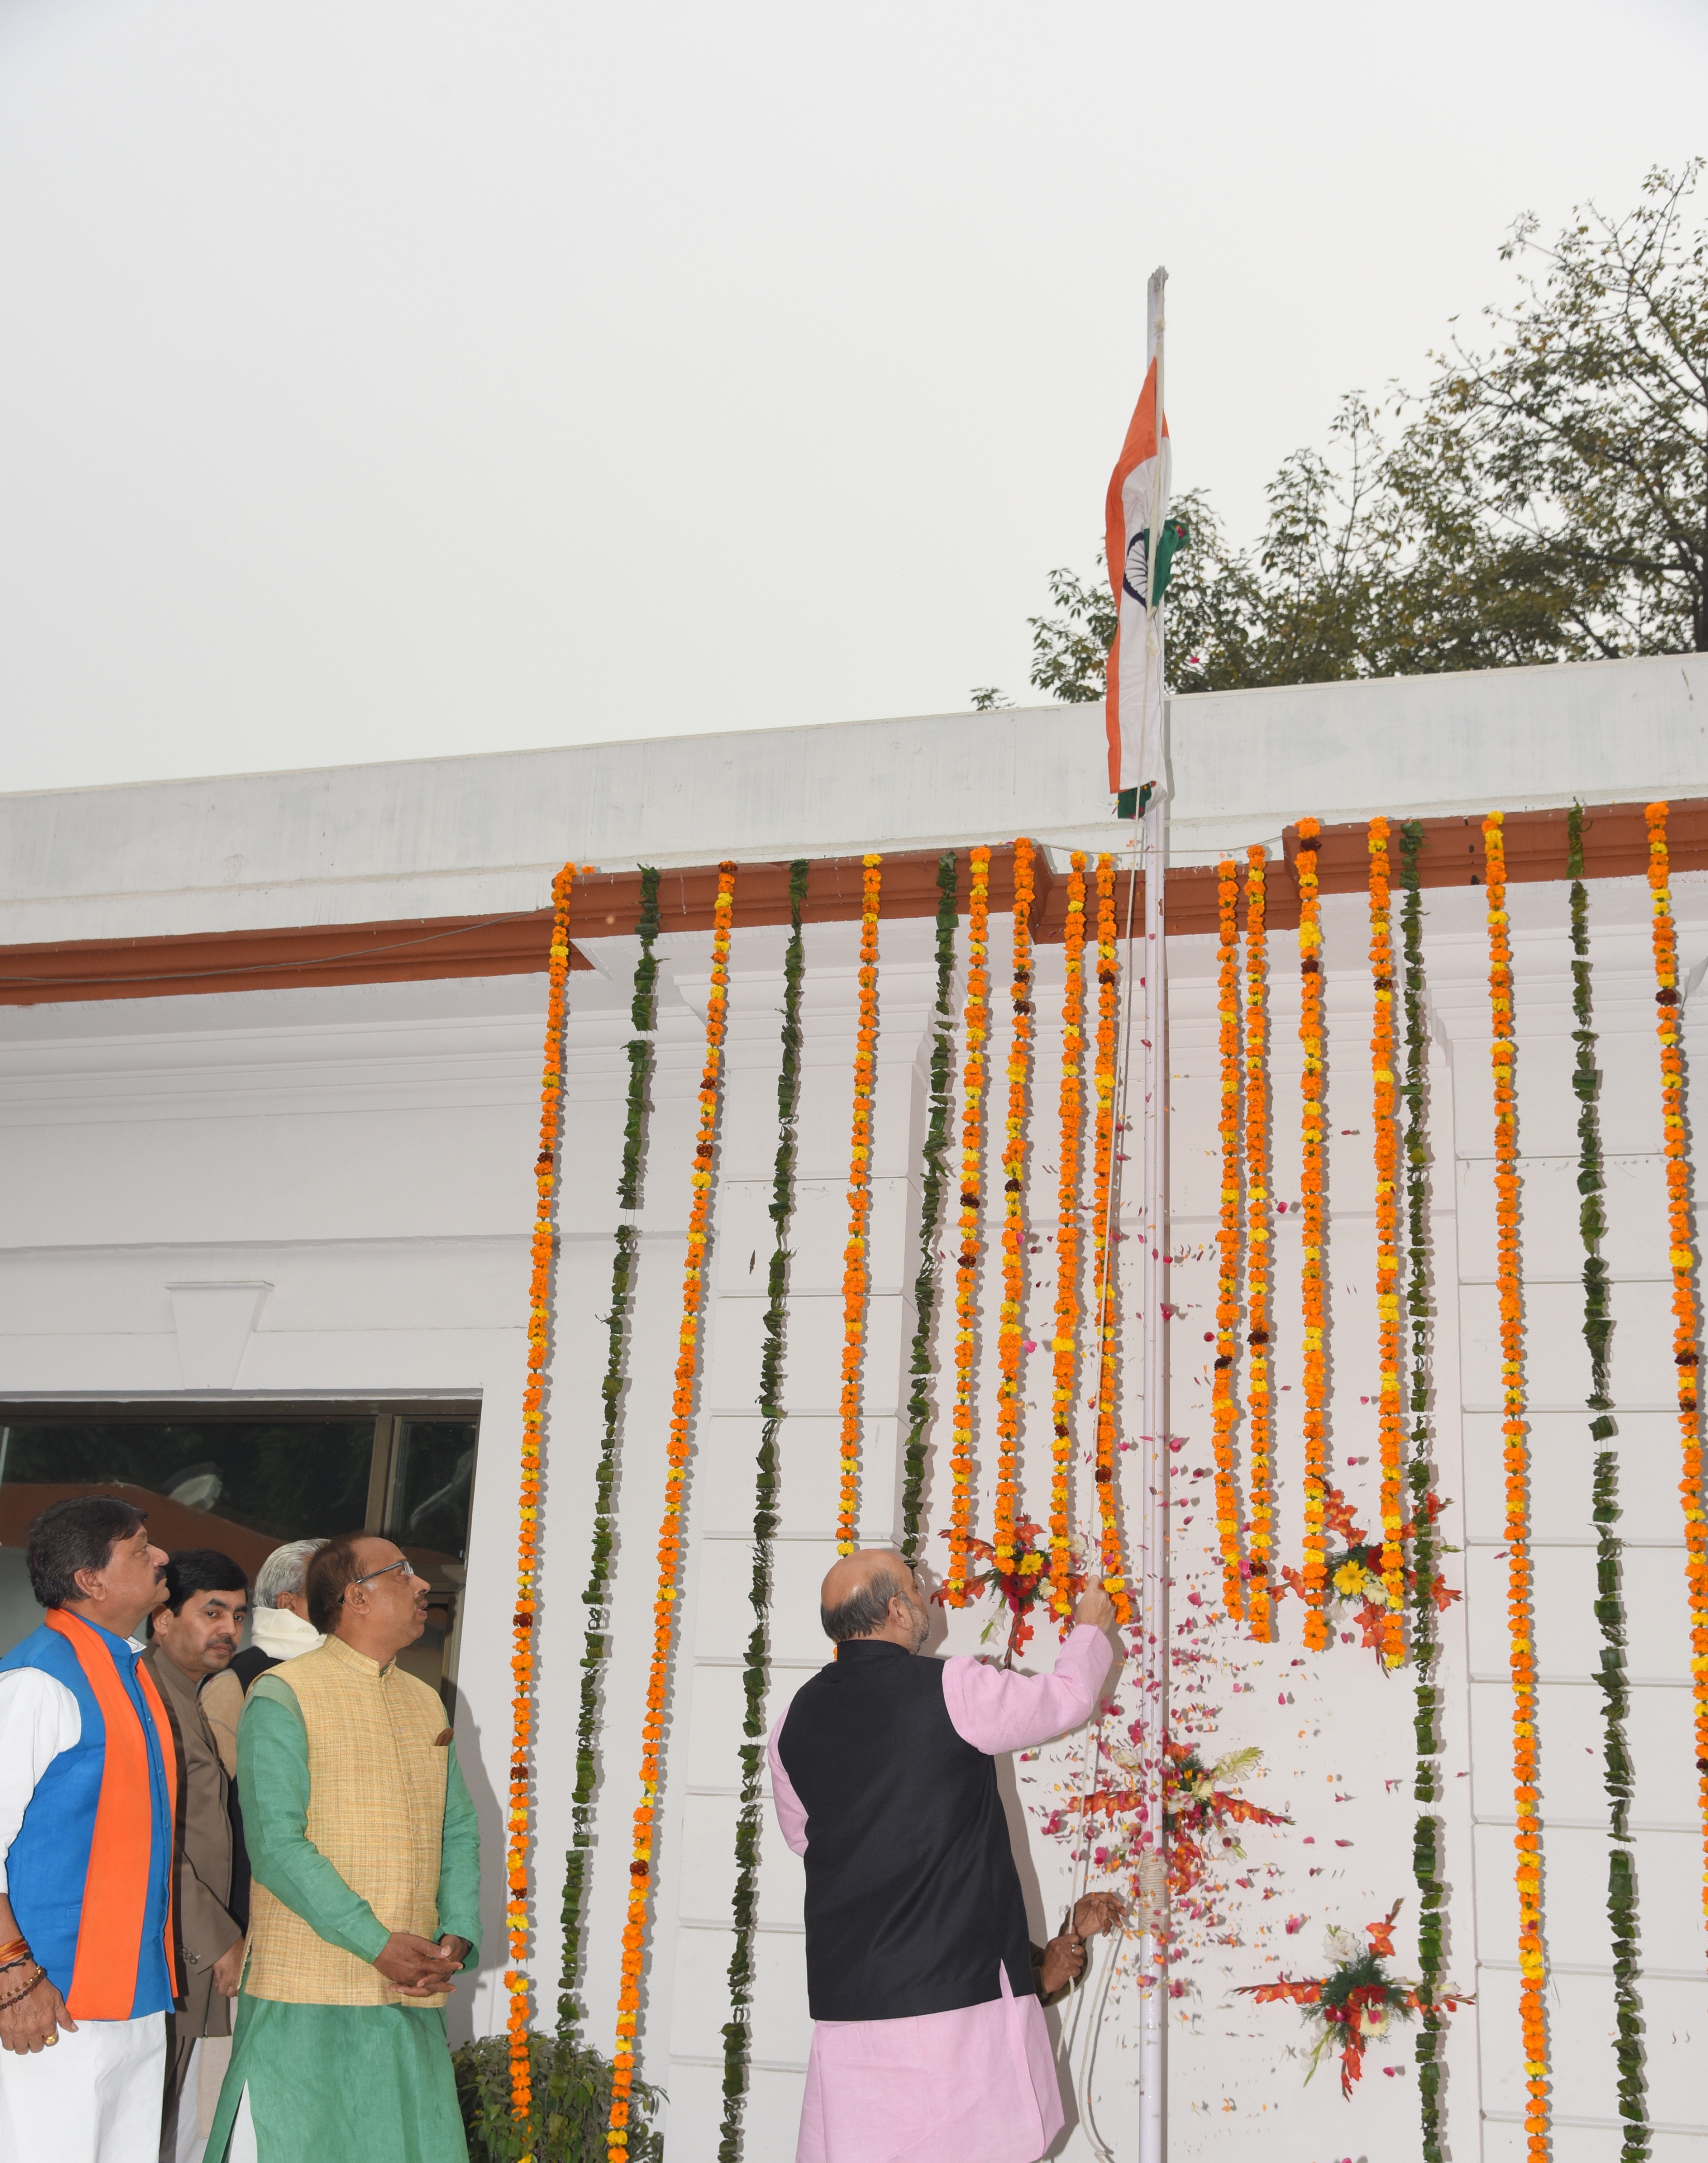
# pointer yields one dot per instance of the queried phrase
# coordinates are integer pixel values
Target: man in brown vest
(194, 1636)
(366, 1894)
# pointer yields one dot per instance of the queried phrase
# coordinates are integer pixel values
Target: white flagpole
(1153, 2039)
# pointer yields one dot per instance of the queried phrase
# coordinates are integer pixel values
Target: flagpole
(1153, 2039)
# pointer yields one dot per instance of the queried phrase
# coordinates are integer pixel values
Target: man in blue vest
(87, 1796)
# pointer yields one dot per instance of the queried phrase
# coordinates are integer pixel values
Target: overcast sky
(388, 377)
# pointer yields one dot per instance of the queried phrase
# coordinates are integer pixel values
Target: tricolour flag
(1136, 508)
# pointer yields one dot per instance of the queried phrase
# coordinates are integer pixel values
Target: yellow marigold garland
(543, 1247)
(1312, 1158)
(1387, 1146)
(1682, 1259)
(856, 1275)
(1009, 1334)
(1104, 1233)
(670, 1528)
(1532, 1978)
(1260, 1414)
(955, 1593)
(1224, 1410)
(1065, 1344)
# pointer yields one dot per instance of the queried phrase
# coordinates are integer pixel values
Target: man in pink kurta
(929, 2044)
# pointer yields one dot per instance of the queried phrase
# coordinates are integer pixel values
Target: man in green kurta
(366, 1898)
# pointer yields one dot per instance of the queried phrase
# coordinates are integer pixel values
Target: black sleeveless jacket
(913, 1902)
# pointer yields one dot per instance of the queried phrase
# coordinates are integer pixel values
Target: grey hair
(284, 1571)
(866, 1608)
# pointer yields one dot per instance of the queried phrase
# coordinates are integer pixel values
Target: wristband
(16, 1945)
(40, 1976)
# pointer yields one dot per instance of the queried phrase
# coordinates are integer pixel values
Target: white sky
(385, 377)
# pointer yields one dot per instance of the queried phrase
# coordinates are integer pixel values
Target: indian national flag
(1137, 507)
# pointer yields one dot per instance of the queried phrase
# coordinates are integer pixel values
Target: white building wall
(364, 1153)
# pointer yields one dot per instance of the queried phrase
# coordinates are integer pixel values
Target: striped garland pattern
(1313, 1285)
(1533, 1960)
(1260, 1413)
(1225, 1409)
(1064, 1346)
(1010, 1333)
(856, 1278)
(1682, 1261)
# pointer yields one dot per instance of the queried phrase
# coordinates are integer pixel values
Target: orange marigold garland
(670, 1528)
(1532, 1966)
(1312, 1158)
(1105, 1232)
(1388, 1244)
(543, 1248)
(1010, 1333)
(1224, 1410)
(856, 1275)
(1065, 1344)
(1262, 1412)
(1682, 1259)
(955, 1592)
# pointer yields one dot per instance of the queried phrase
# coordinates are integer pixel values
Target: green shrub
(571, 2104)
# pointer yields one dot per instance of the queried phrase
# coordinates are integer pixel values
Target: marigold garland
(670, 1528)
(1310, 1203)
(1009, 1334)
(756, 1669)
(931, 1187)
(1682, 1258)
(1225, 1409)
(1387, 1148)
(543, 1248)
(856, 1274)
(1533, 1960)
(1261, 1413)
(972, 1191)
(1104, 1234)
(1065, 1344)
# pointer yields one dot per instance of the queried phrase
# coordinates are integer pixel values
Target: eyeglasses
(402, 1562)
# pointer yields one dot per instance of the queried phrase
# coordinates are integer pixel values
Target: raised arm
(995, 1709)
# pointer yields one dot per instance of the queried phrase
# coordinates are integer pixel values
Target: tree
(1569, 462)
(1545, 500)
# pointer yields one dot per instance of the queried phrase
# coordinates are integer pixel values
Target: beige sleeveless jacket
(376, 1811)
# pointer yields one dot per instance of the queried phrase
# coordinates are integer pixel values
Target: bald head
(873, 1594)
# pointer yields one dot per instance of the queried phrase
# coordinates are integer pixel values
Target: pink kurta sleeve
(996, 1710)
(791, 1811)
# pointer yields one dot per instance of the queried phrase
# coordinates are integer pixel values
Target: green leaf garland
(756, 1674)
(644, 1013)
(1610, 1605)
(936, 1131)
(1426, 1837)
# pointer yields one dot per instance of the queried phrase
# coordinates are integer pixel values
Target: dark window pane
(241, 1486)
(431, 1485)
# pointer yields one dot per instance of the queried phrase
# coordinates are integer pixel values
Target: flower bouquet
(1019, 1589)
(1358, 2001)
(1353, 1567)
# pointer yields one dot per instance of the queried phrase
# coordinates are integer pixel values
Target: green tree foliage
(1543, 500)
